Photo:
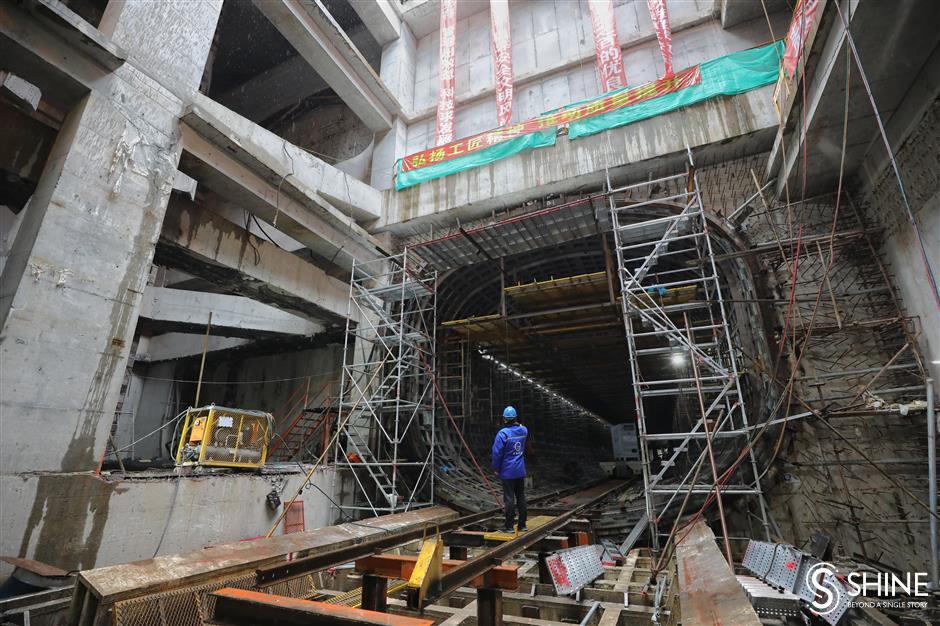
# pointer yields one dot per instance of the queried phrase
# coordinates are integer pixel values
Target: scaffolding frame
(663, 308)
(387, 384)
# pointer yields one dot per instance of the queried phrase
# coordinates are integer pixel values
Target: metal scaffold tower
(387, 387)
(680, 347)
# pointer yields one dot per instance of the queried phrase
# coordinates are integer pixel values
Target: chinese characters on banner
(447, 72)
(663, 32)
(609, 56)
(803, 18)
(502, 59)
(561, 117)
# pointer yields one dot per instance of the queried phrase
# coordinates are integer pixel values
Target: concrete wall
(331, 131)
(79, 521)
(554, 62)
(74, 275)
(263, 383)
(920, 169)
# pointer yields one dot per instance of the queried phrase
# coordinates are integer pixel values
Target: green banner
(728, 75)
(725, 76)
(538, 139)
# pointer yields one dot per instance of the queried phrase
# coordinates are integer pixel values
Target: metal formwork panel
(803, 589)
(785, 567)
(767, 601)
(574, 569)
(759, 557)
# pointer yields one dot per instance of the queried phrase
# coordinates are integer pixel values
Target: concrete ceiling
(898, 47)
(424, 16)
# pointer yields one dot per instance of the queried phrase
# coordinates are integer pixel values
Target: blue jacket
(508, 451)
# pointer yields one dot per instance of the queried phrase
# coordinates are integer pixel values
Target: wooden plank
(709, 593)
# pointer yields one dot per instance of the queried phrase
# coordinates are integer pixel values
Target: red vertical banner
(607, 45)
(447, 72)
(803, 18)
(502, 59)
(663, 32)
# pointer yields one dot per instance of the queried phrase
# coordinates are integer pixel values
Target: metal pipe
(932, 477)
(590, 613)
(708, 447)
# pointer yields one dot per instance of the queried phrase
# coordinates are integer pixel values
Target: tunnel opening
(530, 314)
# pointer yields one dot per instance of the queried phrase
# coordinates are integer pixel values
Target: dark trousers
(513, 498)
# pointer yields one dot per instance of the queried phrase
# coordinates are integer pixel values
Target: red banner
(561, 117)
(607, 45)
(803, 17)
(447, 71)
(502, 59)
(663, 32)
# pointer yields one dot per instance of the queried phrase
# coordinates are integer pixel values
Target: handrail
(324, 389)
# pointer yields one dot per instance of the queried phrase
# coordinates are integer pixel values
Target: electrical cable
(169, 515)
(237, 382)
(264, 232)
(153, 432)
(248, 235)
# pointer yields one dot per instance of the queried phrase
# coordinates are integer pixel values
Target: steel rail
(462, 575)
(273, 574)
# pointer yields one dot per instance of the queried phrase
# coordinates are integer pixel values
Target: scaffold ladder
(679, 340)
(387, 387)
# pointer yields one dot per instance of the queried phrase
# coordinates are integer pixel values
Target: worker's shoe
(523, 529)
(507, 530)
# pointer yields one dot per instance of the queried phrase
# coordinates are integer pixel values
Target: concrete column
(388, 148)
(72, 284)
(398, 68)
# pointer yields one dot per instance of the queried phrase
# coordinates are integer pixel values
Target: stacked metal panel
(789, 571)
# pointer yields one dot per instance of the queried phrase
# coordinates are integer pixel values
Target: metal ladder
(680, 314)
(387, 382)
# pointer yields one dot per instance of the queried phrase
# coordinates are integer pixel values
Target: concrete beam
(232, 316)
(238, 187)
(826, 62)
(211, 247)
(734, 12)
(75, 31)
(316, 36)
(173, 346)
(336, 196)
(34, 52)
(381, 18)
(716, 130)
(283, 85)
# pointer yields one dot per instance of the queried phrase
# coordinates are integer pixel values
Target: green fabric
(724, 76)
(538, 139)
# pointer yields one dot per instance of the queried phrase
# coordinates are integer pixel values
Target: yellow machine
(221, 437)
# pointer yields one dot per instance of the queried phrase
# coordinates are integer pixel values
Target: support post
(374, 593)
(489, 607)
(932, 479)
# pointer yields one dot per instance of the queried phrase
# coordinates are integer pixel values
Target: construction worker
(509, 463)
